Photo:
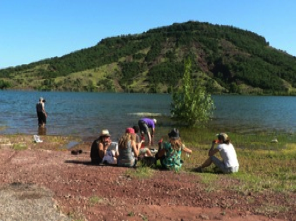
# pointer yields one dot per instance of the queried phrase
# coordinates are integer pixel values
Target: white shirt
(228, 154)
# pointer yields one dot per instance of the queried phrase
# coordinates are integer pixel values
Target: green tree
(190, 102)
(4, 84)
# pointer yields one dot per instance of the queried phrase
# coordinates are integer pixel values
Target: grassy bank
(265, 165)
(267, 160)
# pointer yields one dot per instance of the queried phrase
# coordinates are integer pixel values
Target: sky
(33, 30)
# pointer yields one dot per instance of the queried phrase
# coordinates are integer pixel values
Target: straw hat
(222, 136)
(105, 132)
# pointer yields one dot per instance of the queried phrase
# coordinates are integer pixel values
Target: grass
(19, 146)
(94, 200)
(140, 172)
(264, 165)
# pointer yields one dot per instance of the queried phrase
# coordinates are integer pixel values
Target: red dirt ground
(87, 192)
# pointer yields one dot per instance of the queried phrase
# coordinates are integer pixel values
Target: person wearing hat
(229, 162)
(41, 114)
(99, 149)
(144, 125)
(170, 152)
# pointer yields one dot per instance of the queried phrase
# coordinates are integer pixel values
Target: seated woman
(100, 151)
(169, 153)
(229, 162)
(128, 150)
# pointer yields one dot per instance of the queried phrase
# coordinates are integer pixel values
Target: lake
(86, 114)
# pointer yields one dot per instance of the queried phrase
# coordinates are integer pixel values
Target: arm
(102, 150)
(213, 151)
(43, 110)
(187, 150)
(149, 138)
(153, 131)
(139, 144)
(135, 149)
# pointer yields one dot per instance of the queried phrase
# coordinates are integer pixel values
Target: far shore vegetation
(225, 60)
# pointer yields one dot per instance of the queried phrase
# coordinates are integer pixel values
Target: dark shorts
(41, 118)
(143, 127)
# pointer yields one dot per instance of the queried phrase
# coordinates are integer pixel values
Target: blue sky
(32, 30)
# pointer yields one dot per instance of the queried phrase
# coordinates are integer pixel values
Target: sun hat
(155, 121)
(105, 132)
(222, 136)
(130, 130)
(174, 134)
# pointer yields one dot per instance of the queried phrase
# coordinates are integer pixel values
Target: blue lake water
(85, 114)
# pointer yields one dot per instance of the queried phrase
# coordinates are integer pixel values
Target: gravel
(23, 202)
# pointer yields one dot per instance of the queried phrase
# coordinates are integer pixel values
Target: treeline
(229, 56)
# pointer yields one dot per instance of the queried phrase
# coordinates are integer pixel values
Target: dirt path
(81, 191)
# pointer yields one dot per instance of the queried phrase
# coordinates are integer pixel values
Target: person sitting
(128, 150)
(100, 153)
(229, 163)
(170, 152)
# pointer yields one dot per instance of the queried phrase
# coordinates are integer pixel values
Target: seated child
(169, 153)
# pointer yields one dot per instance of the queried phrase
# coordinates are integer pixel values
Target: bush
(190, 102)
(4, 84)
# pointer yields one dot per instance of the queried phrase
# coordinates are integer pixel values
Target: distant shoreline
(161, 93)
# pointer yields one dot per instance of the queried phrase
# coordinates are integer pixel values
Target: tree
(191, 104)
(4, 84)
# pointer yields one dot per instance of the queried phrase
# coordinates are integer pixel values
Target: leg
(148, 153)
(207, 163)
(160, 153)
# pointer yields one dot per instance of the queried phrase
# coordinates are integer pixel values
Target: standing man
(41, 114)
(144, 125)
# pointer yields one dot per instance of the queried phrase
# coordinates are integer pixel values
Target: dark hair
(43, 101)
(222, 139)
(136, 128)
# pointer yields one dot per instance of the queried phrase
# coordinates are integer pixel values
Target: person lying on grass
(170, 152)
(229, 163)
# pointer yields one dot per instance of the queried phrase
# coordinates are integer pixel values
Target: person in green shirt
(170, 152)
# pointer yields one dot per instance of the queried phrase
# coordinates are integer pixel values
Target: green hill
(225, 59)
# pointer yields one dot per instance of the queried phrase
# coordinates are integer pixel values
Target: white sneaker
(37, 139)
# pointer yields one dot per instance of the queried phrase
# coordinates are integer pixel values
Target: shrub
(190, 103)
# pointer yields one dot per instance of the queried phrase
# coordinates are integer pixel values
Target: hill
(225, 59)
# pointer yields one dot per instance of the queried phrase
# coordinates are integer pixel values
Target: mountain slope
(225, 59)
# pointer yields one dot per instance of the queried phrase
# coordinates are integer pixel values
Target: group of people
(129, 149)
(125, 152)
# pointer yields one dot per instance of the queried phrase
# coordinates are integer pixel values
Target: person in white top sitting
(229, 162)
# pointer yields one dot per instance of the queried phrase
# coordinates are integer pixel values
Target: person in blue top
(144, 125)
(170, 152)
